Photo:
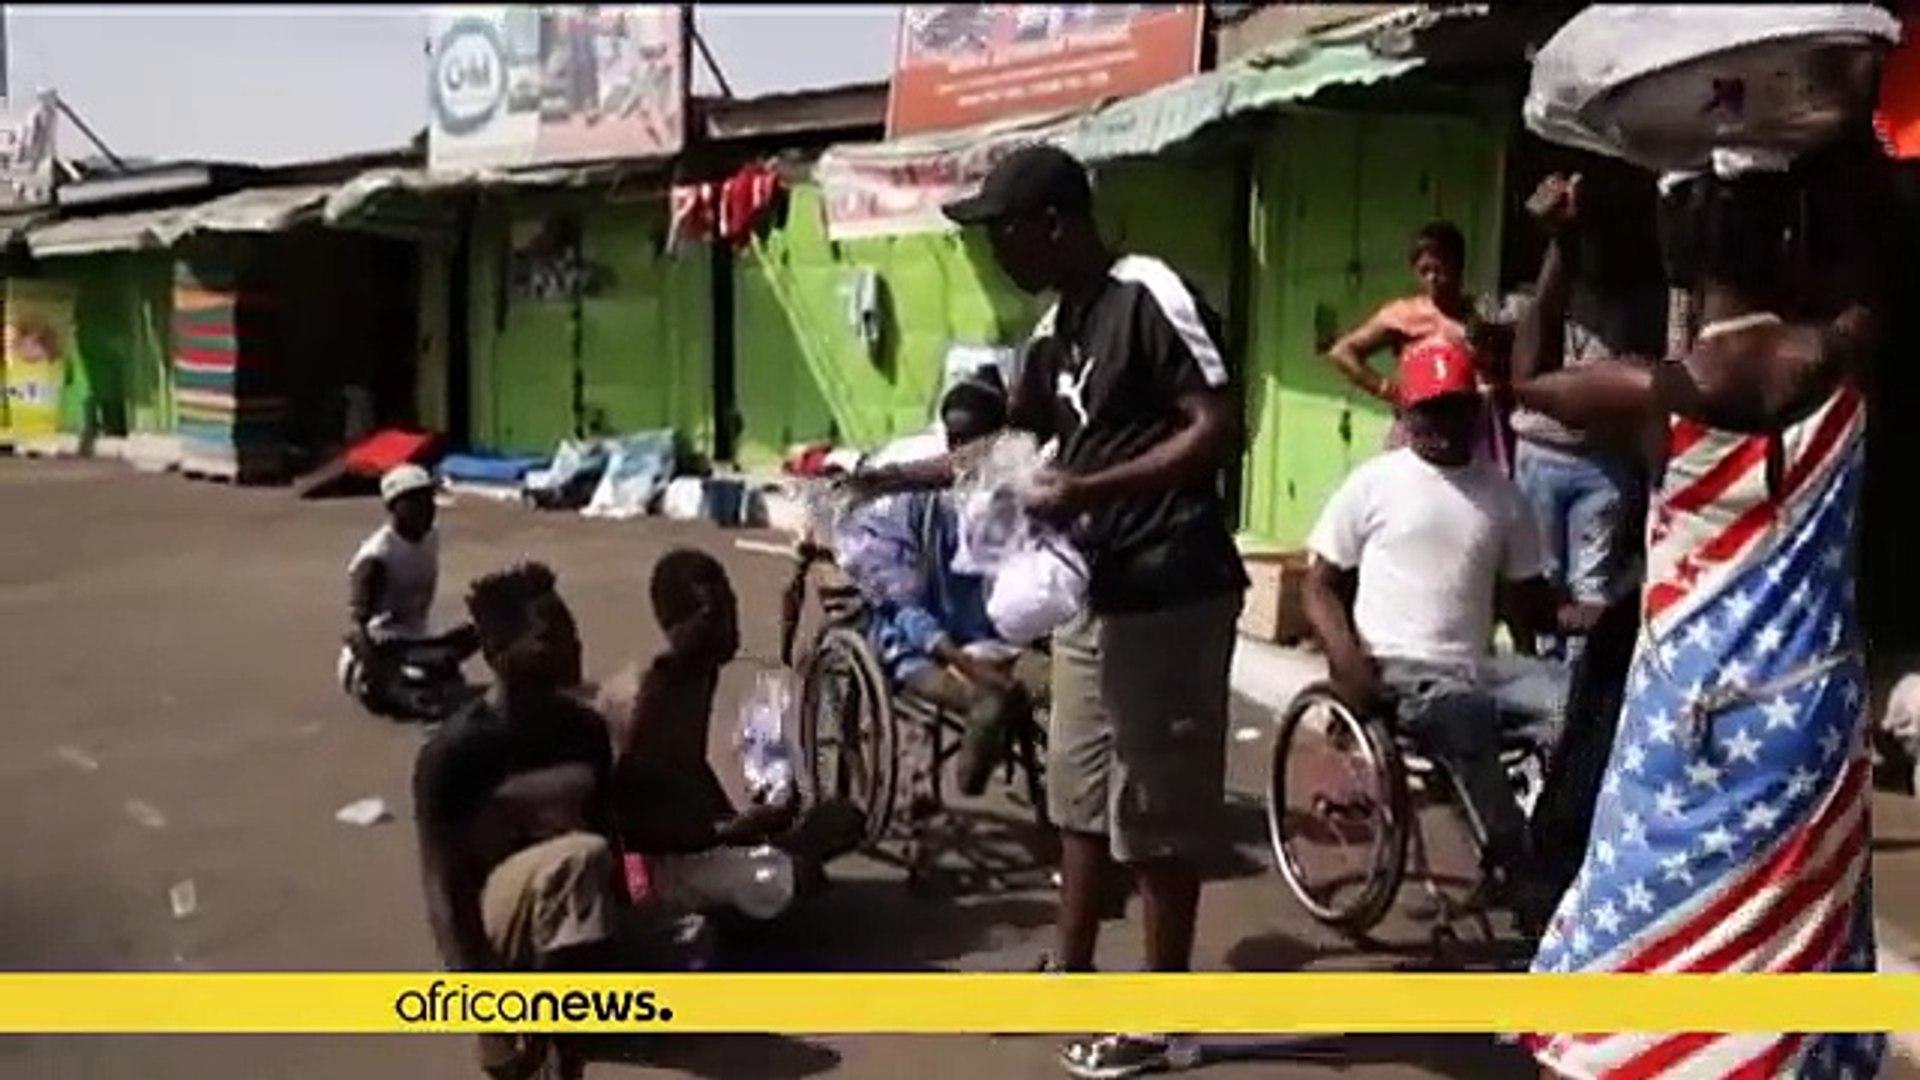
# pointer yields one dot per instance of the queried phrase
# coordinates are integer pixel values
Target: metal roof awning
(257, 210)
(136, 231)
(896, 188)
(1151, 122)
(411, 201)
(1292, 70)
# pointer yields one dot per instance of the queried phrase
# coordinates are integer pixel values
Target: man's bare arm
(363, 593)
(453, 899)
(1610, 398)
(1540, 338)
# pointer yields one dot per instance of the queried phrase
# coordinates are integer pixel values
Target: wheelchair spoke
(1335, 816)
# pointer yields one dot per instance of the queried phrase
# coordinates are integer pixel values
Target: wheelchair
(1353, 787)
(856, 736)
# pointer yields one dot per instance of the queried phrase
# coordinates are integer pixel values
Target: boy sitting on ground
(392, 579)
(670, 809)
(513, 805)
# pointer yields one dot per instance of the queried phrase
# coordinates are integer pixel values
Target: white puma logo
(1072, 389)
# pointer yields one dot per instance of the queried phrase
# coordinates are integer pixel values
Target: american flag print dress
(1731, 832)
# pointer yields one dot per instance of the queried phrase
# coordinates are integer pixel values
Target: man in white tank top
(391, 579)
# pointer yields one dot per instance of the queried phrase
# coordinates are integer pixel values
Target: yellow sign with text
(954, 1003)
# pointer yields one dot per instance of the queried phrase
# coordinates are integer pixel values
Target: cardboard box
(1274, 611)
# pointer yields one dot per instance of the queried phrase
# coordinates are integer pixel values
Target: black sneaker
(1114, 1057)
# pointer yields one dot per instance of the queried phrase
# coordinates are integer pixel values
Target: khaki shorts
(562, 894)
(1137, 750)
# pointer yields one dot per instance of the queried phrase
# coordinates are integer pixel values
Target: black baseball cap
(1029, 179)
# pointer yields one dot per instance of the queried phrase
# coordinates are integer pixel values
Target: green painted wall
(430, 350)
(803, 375)
(1337, 197)
(646, 343)
(642, 348)
(123, 314)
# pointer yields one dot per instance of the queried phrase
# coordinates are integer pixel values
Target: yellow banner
(955, 1003)
(38, 347)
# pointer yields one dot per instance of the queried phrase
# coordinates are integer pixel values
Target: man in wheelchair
(935, 639)
(1412, 558)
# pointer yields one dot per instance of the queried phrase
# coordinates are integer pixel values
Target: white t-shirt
(1431, 545)
(413, 574)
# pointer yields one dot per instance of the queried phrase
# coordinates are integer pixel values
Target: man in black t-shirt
(513, 806)
(1126, 376)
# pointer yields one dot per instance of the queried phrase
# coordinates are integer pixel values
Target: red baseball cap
(1435, 367)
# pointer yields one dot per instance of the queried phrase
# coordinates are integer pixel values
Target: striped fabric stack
(230, 414)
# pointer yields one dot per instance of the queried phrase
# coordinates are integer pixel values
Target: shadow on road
(727, 1057)
(1467, 1057)
(877, 926)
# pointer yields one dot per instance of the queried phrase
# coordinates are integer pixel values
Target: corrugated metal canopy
(1150, 122)
(259, 209)
(253, 210)
(409, 201)
(103, 233)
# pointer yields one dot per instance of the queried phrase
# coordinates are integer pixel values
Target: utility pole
(3, 52)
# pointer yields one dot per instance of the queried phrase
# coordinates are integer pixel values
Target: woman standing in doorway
(1732, 825)
(1442, 307)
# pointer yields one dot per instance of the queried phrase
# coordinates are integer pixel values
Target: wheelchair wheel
(1338, 812)
(849, 740)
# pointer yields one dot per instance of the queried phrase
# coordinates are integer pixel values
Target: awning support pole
(706, 57)
(105, 150)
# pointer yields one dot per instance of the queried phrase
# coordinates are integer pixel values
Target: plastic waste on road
(183, 899)
(145, 814)
(77, 758)
(364, 813)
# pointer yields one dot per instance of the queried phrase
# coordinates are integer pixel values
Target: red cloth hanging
(694, 214)
(724, 210)
(744, 198)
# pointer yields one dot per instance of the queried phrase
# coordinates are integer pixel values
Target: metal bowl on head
(1665, 85)
(1783, 96)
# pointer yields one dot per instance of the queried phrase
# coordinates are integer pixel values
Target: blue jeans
(1460, 725)
(1583, 504)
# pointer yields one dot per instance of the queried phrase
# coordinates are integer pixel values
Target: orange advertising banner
(958, 65)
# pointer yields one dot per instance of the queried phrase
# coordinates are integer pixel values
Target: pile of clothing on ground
(620, 478)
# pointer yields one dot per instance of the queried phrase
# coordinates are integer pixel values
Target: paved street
(172, 717)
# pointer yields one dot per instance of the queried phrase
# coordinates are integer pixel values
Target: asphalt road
(172, 717)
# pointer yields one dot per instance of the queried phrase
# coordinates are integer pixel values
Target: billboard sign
(27, 152)
(958, 65)
(511, 86)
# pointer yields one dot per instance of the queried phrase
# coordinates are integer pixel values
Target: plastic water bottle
(765, 757)
(757, 882)
(764, 883)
